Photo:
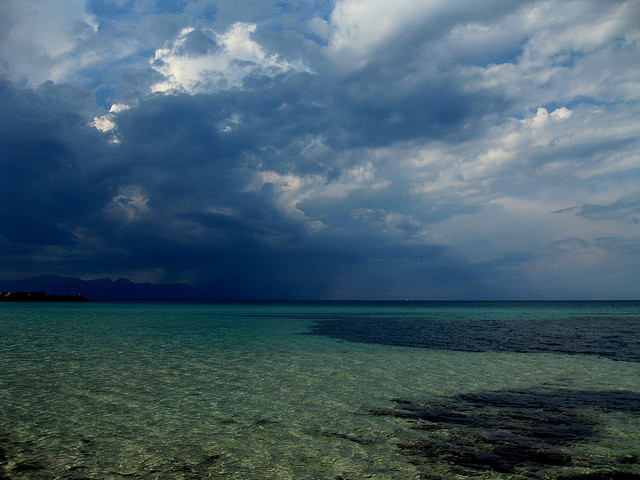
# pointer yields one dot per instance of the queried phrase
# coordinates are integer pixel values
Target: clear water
(320, 391)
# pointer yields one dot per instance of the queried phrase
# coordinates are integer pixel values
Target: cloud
(107, 123)
(362, 32)
(203, 61)
(40, 38)
(359, 150)
(129, 204)
(45, 180)
(627, 208)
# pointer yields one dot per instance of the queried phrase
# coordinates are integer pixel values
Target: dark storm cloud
(45, 181)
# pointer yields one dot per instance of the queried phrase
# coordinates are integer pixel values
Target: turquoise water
(320, 391)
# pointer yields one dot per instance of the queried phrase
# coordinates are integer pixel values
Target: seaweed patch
(571, 335)
(521, 433)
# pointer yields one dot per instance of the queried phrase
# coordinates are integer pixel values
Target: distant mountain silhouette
(101, 289)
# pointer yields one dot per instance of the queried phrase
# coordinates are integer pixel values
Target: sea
(320, 390)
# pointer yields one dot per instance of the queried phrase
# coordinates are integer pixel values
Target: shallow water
(320, 390)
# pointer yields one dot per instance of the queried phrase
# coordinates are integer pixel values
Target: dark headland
(39, 297)
(60, 288)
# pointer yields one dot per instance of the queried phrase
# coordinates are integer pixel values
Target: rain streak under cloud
(317, 149)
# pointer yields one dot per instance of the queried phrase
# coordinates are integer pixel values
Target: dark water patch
(193, 471)
(604, 475)
(631, 459)
(28, 466)
(18, 456)
(342, 436)
(613, 336)
(527, 433)
(228, 421)
(558, 400)
(264, 421)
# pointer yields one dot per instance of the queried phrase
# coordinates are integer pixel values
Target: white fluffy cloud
(223, 64)
(292, 190)
(359, 26)
(107, 123)
(130, 203)
(360, 31)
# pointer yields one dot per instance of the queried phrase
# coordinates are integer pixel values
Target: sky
(338, 149)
